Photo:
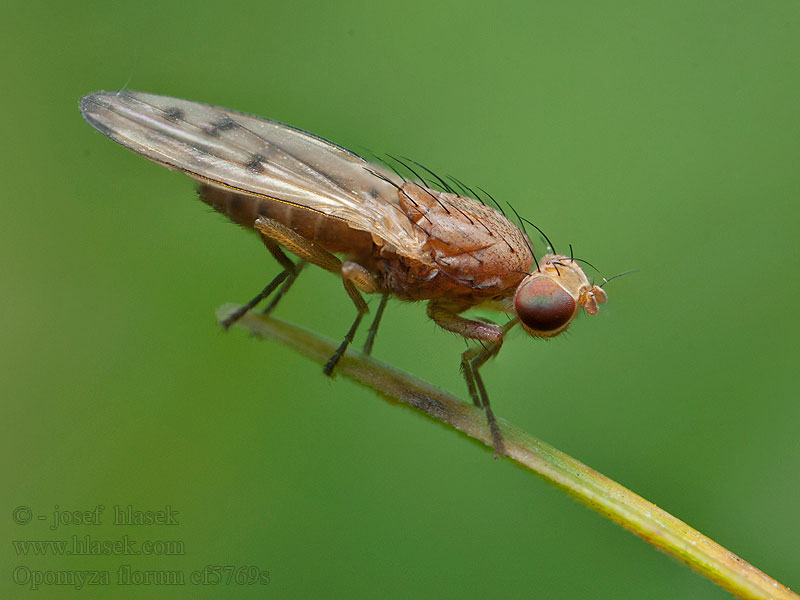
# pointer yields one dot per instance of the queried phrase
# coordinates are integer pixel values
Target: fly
(398, 237)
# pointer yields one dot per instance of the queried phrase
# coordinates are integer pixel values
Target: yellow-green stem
(597, 491)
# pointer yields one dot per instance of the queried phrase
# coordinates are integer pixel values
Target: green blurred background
(656, 136)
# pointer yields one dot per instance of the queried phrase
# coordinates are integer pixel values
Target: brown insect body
(470, 252)
(334, 235)
(316, 200)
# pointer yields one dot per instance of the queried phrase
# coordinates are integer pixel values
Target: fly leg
(289, 274)
(354, 276)
(471, 361)
(366, 283)
(373, 329)
(362, 309)
(292, 277)
(490, 337)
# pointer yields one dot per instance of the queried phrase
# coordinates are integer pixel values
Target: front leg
(446, 316)
(471, 360)
(490, 337)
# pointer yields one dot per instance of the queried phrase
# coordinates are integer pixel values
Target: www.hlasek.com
(88, 545)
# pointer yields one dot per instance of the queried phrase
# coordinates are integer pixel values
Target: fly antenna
(605, 281)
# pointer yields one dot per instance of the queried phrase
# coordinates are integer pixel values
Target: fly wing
(256, 157)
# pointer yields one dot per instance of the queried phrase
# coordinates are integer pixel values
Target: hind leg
(373, 329)
(289, 274)
(354, 276)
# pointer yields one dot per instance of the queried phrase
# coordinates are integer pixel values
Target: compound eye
(544, 307)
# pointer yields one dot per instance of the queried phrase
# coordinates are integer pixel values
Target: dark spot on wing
(197, 149)
(225, 123)
(173, 114)
(373, 192)
(255, 163)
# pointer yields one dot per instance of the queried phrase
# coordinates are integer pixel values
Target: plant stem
(593, 489)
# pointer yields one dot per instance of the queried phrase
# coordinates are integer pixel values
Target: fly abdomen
(334, 235)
